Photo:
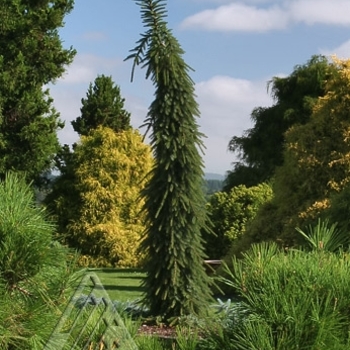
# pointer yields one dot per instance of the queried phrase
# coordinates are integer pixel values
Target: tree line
(300, 147)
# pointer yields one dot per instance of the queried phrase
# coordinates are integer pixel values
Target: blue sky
(235, 47)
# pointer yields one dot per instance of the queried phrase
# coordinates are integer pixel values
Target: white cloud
(335, 12)
(278, 15)
(138, 108)
(86, 67)
(67, 102)
(226, 104)
(239, 17)
(342, 51)
(230, 1)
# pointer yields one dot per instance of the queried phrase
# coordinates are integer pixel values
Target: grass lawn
(121, 284)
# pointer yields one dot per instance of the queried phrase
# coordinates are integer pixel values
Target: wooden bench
(212, 265)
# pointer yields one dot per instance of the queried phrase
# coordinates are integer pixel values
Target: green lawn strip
(121, 284)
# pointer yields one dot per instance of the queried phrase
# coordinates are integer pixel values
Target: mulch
(162, 331)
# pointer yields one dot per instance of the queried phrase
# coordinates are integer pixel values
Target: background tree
(339, 209)
(62, 198)
(212, 186)
(230, 212)
(31, 56)
(103, 106)
(260, 149)
(316, 165)
(100, 214)
(111, 170)
(317, 153)
(176, 282)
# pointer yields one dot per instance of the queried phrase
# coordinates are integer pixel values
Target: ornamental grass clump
(296, 299)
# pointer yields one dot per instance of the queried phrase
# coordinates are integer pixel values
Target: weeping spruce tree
(176, 282)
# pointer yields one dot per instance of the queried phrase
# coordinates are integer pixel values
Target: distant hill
(213, 176)
(213, 183)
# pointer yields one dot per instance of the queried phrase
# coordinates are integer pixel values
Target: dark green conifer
(35, 271)
(103, 106)
(176, 282)
(31, 56)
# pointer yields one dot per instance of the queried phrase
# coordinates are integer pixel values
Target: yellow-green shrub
(230, 212)
(102, 208)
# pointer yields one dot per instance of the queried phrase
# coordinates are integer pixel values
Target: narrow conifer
(176, 282)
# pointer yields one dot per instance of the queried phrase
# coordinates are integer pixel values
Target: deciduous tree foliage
(230, 212)
(319, 150)
(212, 186)
(176, 282)
(103, 106)
(103, 218)
(31, 56)
(316, 164)
(260, 149)
(339, 209)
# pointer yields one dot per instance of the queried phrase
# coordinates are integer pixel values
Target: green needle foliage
(176, 282)
(36, 272)
(31, 56)
(325, 236)
(25, 234)
(293, 299)
(103, 106)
